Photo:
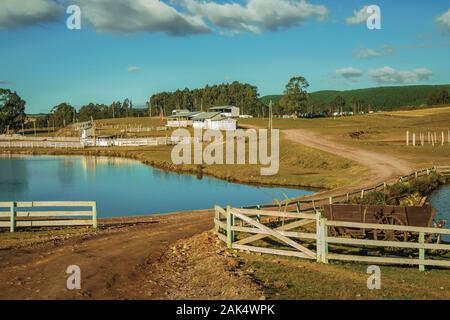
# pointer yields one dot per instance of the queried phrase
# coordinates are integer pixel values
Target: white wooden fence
(20, 137)
(21, 214)
(310, 239)
(312, 204)
(42, 144)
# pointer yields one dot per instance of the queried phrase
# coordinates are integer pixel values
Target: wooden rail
(41, 144)
(20, 214)
(314, 242)
(311, 205)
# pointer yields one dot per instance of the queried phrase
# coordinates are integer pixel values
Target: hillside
(381, 98)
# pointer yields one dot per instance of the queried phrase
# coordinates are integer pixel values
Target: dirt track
(114, 261)
(382, 167)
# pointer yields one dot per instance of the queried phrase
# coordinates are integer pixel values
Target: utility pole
(93, 128)
(270, 116)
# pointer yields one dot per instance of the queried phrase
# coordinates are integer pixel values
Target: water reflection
(13, 177)
(121, 186)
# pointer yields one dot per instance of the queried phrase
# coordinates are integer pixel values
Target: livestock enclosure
(305, 235)
(69, 213)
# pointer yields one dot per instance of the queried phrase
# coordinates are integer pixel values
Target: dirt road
(113, 261)
(382, 167)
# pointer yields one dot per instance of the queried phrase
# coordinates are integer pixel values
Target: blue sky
(134, 48)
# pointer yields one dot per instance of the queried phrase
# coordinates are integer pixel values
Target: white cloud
(173, 17)
(388, 75)
(359, 16)
(14, 14)
(255, 16)
(444, 20)
(349, 73)
(133, 69)
(367, 53)
(130, 16)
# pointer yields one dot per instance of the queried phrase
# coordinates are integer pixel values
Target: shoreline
(161, 165)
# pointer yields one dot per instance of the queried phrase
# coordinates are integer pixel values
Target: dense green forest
(242, 95)
(381, 98)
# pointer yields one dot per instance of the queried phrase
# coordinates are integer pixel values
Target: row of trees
(295, 100)
(242, 95)
(438, 97)
(64, 114)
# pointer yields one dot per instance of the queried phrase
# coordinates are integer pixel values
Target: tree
(438, 97)
(357, 104)
(295, 96)
(244, 96)
(338, 104)
(12, 110)
(63, 114)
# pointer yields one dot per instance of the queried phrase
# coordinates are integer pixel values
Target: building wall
(179, 123)
(227, 124)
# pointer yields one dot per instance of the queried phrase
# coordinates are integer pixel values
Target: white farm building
(214, 121)
(227, 111)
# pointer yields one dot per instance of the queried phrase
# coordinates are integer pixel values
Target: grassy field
(292, 278)
(380, 132)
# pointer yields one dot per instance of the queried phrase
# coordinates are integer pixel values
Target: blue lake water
(440, 200)
(122, 187)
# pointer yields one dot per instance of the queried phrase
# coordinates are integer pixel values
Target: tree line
(242, 95)
(440, 96)
(295, 100)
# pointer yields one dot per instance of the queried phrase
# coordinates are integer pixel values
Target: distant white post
(414, 140)
(407, 138)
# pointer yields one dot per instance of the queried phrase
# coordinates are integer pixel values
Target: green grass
(380, 132)
(293, 278)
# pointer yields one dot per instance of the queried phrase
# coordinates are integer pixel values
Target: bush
(374, 198)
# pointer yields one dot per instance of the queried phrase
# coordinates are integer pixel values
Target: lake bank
(162, 164)
(123, 187)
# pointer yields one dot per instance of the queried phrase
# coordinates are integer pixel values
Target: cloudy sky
(134, 48)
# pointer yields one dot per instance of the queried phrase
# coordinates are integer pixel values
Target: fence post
(229, 224)
(13, 217)
(362, 194)
(322, 234)
(421, 250)
(94, 215)
(319, 238)
(331, 200)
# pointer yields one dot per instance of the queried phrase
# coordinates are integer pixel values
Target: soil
(383, 168)
(114, 261)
